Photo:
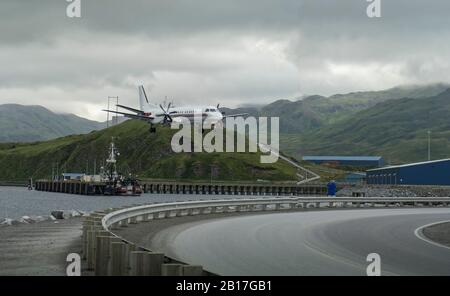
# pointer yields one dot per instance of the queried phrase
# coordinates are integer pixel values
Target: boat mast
(112, 160)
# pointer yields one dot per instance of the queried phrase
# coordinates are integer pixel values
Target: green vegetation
(35, 123)
(315, 112)
(395, 129)
(145, 154)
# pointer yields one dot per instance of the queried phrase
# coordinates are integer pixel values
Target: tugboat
(116, 184)
(129, 187)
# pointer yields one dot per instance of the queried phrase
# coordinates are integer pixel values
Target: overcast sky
(207, 51)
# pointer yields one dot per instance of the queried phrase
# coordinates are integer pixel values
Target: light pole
(429, 145)
(107, 117)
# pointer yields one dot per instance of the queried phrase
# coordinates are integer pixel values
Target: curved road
(332, 242)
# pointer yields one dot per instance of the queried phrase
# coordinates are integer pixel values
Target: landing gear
(152, 129)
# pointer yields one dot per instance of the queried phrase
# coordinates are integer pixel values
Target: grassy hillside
(314, 112)
(395, 129)
(35, 123)
(148, 155)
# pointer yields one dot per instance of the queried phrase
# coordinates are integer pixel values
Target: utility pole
(117, 109)
(429, 145)
(107, 116)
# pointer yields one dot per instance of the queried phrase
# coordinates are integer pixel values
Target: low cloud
(232, 52)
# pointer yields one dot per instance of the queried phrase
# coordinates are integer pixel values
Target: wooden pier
(71, 187)
(172, 187)
(233, 188)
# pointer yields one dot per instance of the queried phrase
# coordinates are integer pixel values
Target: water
(16, 202)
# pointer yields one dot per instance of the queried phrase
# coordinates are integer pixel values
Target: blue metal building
(355, 178)
(354, 161)
(436, 172)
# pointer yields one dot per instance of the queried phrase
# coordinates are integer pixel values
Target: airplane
(157, 114)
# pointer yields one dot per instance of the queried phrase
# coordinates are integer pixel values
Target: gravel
(395, 191)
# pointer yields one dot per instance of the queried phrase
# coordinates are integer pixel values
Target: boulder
(9, 222)
(39, 218)
(83, 213)
(27, 220)
(67, 214)
(75, 213)
(58, 215)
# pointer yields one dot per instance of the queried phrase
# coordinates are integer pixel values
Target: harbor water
(16, 202)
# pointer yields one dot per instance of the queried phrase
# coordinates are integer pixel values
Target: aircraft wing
(133, 116)
(236, 115)
(131, 109)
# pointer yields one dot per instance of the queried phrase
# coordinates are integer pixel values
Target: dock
(174, 187)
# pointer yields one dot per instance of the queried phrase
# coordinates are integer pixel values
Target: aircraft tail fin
(143, 100)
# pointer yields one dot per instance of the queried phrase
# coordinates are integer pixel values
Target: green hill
(395, 129)
(35, 123)
(314, 112)
(145, 154)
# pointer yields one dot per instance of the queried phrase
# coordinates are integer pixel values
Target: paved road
(333, 242)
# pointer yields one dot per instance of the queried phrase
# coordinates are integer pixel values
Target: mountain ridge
(21, 123)
(396, 129)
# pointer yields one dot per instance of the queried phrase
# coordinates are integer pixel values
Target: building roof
(73, 174)
(356, 174)
(338, 158)
(410, 164)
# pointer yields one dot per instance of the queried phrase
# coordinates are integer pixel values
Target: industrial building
(436, 172)
(72, 176)
(353, 161)
(354, 178)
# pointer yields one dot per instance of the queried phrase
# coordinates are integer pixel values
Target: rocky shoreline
(54, 216)
(394, 191)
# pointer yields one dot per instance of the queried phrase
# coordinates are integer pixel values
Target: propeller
(167, 117)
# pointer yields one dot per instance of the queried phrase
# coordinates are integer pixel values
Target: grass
(147, 155)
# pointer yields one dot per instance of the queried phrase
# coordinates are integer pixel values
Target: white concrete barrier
(118, 265)
(172, 270)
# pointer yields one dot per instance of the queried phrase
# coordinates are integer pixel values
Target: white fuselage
(209, 114)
